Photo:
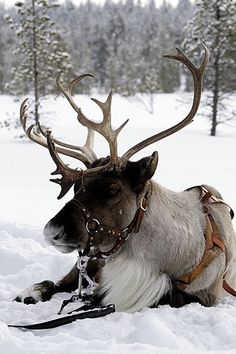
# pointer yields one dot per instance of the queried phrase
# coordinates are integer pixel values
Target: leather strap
(92, 312)
(213, 248)
(228, 288)
(208, 197)
(214, 244)
(95, 228)
(216, 238)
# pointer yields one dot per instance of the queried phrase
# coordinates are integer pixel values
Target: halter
(95, 228)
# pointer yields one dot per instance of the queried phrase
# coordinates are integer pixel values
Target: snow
(188, 158)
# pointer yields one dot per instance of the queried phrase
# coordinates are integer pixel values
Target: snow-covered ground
(28, 201)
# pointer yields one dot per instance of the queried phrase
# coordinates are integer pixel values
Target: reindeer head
(108, 193)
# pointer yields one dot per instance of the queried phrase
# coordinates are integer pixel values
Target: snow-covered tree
(141, 51)
(40, 51)
(214, 23)
(120, 42)
(182, 14)
(3, 46)
(151, 55)
(7, 41)
(169, 71)
(129, 53)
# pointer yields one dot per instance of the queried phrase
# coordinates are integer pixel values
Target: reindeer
(146, 245)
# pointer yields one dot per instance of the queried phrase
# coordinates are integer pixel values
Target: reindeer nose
(52, 232)
(59, 235)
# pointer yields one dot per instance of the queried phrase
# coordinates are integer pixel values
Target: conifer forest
(121, 43)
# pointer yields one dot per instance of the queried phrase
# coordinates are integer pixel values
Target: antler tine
(37, 135)
(90, 138)
(197, 73)
(104, 128)
(69, 175)
(88, 146)
(28, 131)
(86, 149)
(23, 118)
(67, 91)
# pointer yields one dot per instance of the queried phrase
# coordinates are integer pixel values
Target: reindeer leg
(178, 298)
(69, 282)
(44, 290)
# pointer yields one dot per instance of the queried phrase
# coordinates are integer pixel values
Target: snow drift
(28, 201)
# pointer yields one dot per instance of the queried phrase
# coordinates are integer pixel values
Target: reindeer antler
(43, 137)
(69, 175)
(197, 74)
(104, 128)
(37, 134)
(86, 154)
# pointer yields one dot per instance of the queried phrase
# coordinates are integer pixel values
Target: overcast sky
(158, 2)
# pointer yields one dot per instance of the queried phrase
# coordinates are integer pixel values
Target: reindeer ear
(139, 172)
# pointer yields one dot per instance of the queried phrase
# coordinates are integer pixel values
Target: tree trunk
(216, 69)
(35, 66)
(215, 98)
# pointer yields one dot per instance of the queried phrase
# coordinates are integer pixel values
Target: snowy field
(28, 201)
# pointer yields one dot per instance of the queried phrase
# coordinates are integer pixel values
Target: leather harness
(214, 244)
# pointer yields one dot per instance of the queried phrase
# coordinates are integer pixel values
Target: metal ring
(123, 232)
(97, 223)
(141, 204)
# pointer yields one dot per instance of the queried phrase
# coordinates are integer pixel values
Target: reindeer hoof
(37, 292)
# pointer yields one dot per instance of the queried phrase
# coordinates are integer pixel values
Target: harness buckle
(92, 225)
(124, 231)
(82, 263)
(143, 204)
(82, 266)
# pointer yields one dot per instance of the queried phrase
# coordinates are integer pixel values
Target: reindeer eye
(112, 190)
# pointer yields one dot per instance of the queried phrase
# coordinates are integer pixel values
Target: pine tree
(121, 43)
(169, 71)
(7, 42)
(214, 24)
(139, 54)
(3, 47)
(40, 51)
(182, 14)
(115, 36)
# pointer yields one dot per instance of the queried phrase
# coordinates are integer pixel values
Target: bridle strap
(94, 227)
